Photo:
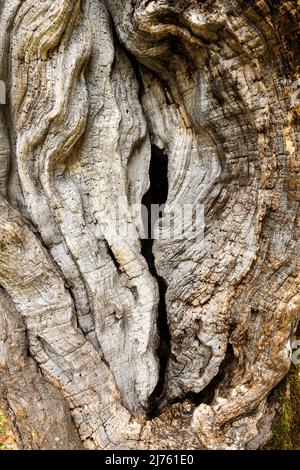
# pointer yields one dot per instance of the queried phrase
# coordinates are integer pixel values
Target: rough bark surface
(109, 342)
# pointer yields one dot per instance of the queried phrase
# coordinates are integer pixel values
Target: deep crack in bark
(157, 195)
(207, 395)
(217, 92)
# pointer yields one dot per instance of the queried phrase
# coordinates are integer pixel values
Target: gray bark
(108, 342)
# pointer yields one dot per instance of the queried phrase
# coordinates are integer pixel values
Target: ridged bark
(111, 342)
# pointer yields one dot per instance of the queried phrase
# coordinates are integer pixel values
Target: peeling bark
(122, 342)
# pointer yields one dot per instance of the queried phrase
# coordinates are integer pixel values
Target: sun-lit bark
(126, 343)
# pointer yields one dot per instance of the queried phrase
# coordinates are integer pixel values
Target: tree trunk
(110, 338)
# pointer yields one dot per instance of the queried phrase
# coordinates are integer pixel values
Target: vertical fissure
(157, 196)
(207, 395)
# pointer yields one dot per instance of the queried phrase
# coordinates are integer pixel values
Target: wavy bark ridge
(93, 86)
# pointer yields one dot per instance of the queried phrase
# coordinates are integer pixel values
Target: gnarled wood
(96, 90)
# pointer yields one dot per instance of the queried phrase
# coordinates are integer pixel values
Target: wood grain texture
(97, 90)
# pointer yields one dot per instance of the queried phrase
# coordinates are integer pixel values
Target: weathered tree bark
(112, 342)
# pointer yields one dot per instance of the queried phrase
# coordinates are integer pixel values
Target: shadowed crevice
(157, 195)
(207, 395)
